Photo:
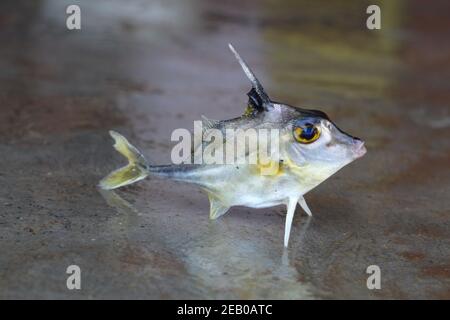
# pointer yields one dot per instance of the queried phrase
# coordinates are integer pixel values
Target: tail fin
(137, 168)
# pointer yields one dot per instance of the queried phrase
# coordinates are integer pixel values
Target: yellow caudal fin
(135, 170)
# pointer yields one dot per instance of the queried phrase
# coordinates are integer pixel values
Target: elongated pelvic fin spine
(135, 170)
(289, 217)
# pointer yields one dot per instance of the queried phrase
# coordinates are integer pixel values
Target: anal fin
(217, 208)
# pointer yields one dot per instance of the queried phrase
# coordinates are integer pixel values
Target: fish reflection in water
(228, 266)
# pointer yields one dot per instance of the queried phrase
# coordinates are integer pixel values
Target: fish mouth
(359, 149)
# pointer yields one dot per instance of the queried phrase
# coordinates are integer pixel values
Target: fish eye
(306, 134)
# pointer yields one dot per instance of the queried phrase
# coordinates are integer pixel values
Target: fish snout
(358, 148)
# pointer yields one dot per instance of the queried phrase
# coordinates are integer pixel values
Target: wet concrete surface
(145, 68)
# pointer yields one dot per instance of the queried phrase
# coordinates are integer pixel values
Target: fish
(310, 149)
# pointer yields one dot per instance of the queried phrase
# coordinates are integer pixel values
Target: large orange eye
(306, 134)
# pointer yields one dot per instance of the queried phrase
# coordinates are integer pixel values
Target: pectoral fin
(217, 208)
(302, 203)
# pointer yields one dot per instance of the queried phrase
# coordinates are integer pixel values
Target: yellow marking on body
(307, 174)
(272, 168)
(293, 167)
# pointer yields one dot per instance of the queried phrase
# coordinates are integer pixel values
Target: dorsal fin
(254, 100)
(258, 98)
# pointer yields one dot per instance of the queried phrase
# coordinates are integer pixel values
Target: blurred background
(145, 68)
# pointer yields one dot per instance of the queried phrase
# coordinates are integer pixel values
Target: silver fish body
(310, 149)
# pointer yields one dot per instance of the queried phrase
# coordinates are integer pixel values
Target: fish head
(314, 146)
(315, 142)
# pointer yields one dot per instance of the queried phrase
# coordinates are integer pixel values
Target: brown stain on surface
(425, 170)
(30, 116)
(439, 271)
(433, 231)
(413, 256)
(133, 257)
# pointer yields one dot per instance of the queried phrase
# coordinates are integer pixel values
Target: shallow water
(145, 68)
